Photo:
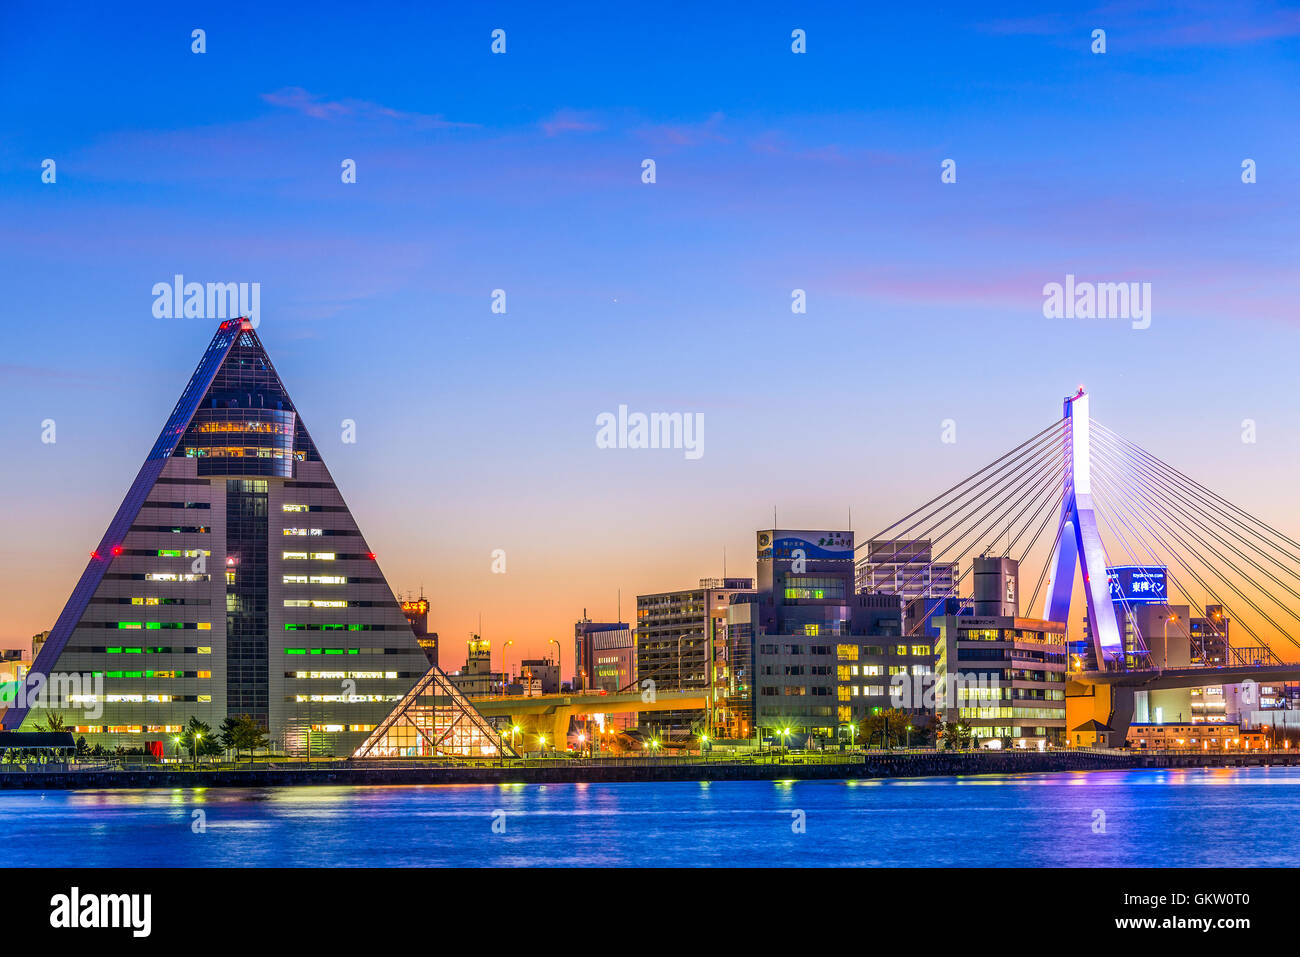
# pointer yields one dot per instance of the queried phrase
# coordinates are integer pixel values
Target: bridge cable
(1167, 510)
(959, 516)
(1045, 465)
(1200, 513)
(1025, 459)
(1047, 475)
(1055, 426)
(1145, 508)
(1214, 497)
(1191, 600)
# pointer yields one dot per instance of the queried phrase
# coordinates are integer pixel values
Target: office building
(680, 643)
(584, 633)
(539, 676)
(14, 665)
(1001, 674)
(1210, 637)
(477, 679)
(416, 611)
(807, 658)
(232, 580)
(905, 568)
(1156, 633)
(1193, 737)
(614, 660)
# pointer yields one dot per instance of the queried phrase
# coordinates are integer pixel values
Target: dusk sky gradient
(775, 171)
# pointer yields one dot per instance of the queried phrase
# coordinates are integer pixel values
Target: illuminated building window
(344, 674)
(293, 555)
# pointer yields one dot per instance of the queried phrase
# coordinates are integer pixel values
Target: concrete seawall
(936, 764)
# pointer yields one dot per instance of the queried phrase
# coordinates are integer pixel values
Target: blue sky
(775, 171)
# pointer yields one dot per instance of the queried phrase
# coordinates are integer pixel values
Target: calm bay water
(1152, 818)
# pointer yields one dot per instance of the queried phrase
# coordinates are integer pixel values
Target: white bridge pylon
(1079, 539)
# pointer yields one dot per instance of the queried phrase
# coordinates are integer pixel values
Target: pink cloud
(568, 121)
(309, 104)
(685, 134)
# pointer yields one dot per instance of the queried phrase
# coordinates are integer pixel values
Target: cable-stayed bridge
(1109, 504)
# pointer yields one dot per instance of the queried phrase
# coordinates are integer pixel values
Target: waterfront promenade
(770, 767)
(558, 770)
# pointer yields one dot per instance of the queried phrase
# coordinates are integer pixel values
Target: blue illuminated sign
(1138, 584)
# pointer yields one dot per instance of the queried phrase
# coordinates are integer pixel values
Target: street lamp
(1168, 618)
(505, 670)
(195, 750)
(559, 678)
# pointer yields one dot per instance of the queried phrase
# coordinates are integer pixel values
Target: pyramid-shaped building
(234, 580)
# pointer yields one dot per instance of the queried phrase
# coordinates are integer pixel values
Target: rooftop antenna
(620, 606)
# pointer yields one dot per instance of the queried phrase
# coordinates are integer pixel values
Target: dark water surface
(1246, 817)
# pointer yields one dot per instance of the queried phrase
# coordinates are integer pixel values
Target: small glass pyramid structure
(433, 720)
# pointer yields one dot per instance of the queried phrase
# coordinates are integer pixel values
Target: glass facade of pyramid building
(233, 580)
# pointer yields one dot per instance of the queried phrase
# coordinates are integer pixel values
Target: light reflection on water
(1183, 817)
